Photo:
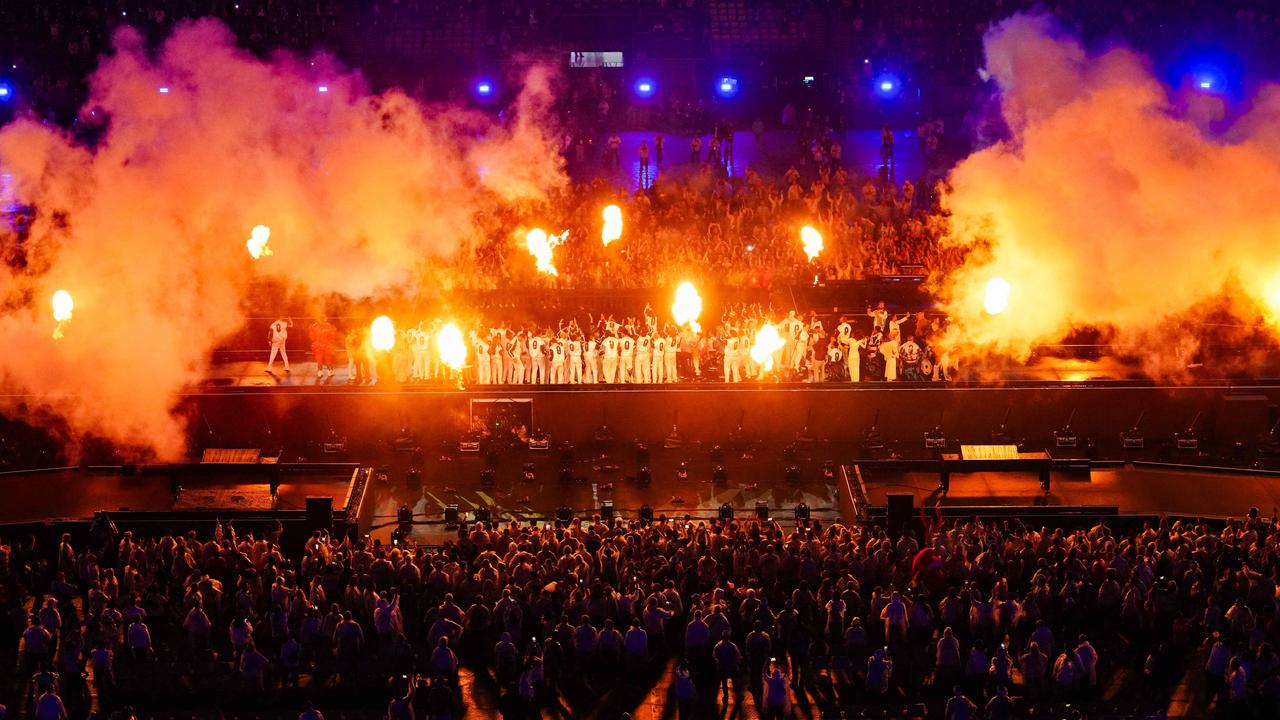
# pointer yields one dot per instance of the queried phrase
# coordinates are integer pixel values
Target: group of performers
(638, 350)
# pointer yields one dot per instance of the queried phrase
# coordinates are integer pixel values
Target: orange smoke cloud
(146, 228)
(1110, 205)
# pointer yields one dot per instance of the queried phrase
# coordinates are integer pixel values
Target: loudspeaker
(319, 510)
(901, 507)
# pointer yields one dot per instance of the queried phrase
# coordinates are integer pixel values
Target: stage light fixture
(482, 515)
(566, 475)
(727, 86)
(887, 86)
(644, 478)
(802, 512)
(322, 89)
(762, 510)
(564, 514)
(606, 509)
(451, 514)
(726, 512)
(645, 87)
(484, 88)
(164, 89)
(793, 474)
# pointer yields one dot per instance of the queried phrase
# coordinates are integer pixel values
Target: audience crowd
(990, 619)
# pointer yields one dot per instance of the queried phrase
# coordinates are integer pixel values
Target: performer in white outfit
(732, 371)
(514, 348)
(644, 359)
(557, 362)
(610, 365)
(420, 345)
(659, 363)
(626, 359)
(277, 336)
(575, 361)
(672, 372)
(482, 362)
(496, 359)
(593, 361)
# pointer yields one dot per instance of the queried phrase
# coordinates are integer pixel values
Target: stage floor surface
(75, 493)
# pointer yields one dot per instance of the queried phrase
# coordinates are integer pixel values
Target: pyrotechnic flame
(996, 298)
(688, 306)
(257, 242)
(62, 307)
(766, 344)
(382, 333)
(453, 350)
(812, 240)
(612, 224)
(540, 247)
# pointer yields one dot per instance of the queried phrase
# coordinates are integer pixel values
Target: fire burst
(62, 307)
(612, 229)
(812, 240)
(453, 350)
(257, 242)
(767, 342)
(688, 306)
(541, 246)
(382, 333)
(996, 299)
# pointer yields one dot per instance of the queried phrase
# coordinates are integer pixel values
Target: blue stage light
(6, 92)
(887, 85)
(727, 86)
(484, 88)
(164, 89)
(646, 87)
(322, 89)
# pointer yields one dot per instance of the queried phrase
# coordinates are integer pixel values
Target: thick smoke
(147, 228)
(1112, 205)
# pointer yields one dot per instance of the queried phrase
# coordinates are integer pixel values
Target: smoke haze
(1111, 205)
(147, 229)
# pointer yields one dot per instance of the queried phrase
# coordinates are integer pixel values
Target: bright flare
(996, 299)
(812, 240)
(767, 342)
(257, 242)
(1271, 295)
(382, 333)
(540, 247)
(62, 307)
(453, 350)
(688, 306)
(612, 224)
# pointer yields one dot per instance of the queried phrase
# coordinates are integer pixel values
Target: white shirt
(279, 332)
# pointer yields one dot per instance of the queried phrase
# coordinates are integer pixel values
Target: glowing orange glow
(1271, 295)
(812, 240)
(612, 229)
(382, 333)
(453, 350)
(257, 242)
(63, 304)
(688, 306)
(767, 342)
(996, 298)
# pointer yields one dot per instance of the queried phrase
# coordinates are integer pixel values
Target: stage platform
(75, 493)
(245, 374)
(1132, 489)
